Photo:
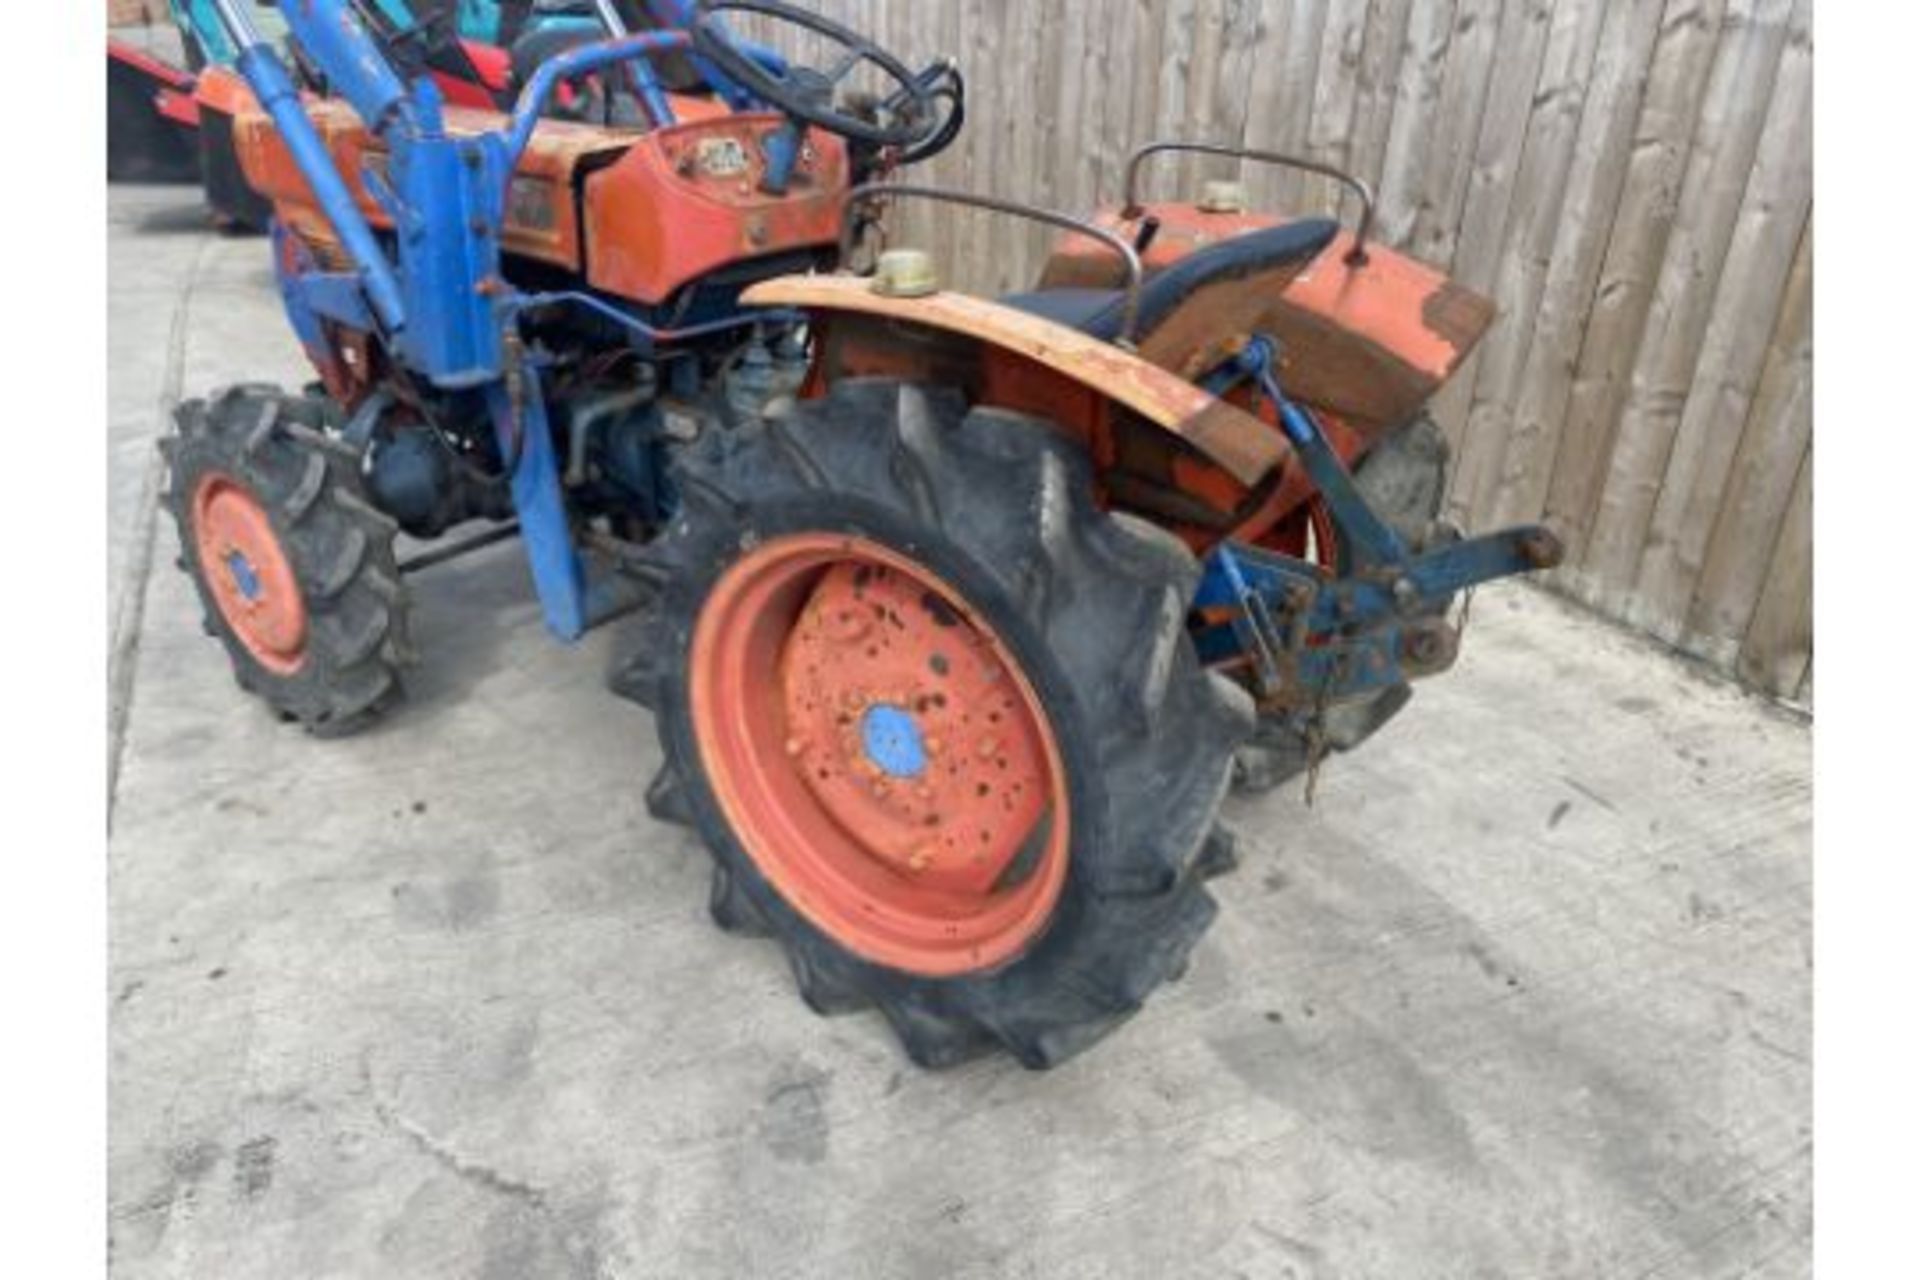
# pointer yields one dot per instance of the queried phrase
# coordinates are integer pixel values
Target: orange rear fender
(1370, 341)
(1018, 361)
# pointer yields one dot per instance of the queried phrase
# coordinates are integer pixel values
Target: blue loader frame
(438, 297)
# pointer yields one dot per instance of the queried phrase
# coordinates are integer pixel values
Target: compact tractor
(957, 617)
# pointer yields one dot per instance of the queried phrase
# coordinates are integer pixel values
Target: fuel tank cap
(906, 273)
(1224, 196)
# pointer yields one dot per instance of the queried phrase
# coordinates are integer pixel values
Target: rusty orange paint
(543, 222)
(248, 571)
(654, 217)
(1388, 300)
(1371, 341)
(222, 89)
(686, 200)
(1227, 436)
(914, 863)
(1081, 262)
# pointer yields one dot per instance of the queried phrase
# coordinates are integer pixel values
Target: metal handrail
(581, 60)
(1359, 186)
(879, 192)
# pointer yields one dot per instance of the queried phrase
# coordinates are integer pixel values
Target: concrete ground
(1525, 994)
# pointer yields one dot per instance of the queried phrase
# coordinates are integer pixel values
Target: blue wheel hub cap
(891, 738)
(243, 575)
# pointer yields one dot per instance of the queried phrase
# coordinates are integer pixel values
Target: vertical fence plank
(1173, 78)
(1330, 127)
(1760, 483)
(1422, 72)
(949, 169)
(1682, 308)
(1637, 243)
(985, 46)
(1282, 105)
(1533, 224)
(1185, 60)
(1524, 28)
(1110, 100)
(1773, 214)
(1457, 115)
(1033, 36)
(1778, 653)
(1239, 40)
(1077, 156)
(1607, 130)
(1383, 42)
(1140, 99)
(917, 42)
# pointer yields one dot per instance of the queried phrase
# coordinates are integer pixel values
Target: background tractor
(954, 615)
(170, 123)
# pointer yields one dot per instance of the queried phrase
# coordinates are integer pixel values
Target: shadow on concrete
(462, 612)
(188, 218)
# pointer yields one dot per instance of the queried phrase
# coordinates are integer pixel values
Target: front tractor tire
(937, 717)
(294, 567)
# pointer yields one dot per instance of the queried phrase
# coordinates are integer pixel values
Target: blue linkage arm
(580, 61)
(1355, 632)
(1371, 538)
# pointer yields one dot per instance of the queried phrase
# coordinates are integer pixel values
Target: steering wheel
(807, 94)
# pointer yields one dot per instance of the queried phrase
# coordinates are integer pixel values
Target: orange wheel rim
(253, 583)
(881, 754)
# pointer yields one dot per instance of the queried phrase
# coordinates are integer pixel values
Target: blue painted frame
(1338, 636)
(432, 287)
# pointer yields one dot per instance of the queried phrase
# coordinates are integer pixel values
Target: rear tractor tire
(938, 719)
(295, 568)
(1404, 480)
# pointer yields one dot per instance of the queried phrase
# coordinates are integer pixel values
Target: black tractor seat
(1099, 313)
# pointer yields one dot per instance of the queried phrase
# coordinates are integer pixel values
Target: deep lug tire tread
(341, 549)
(1148, 735)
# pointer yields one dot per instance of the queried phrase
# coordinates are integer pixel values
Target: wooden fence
(135, 13)
(1630, 180)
